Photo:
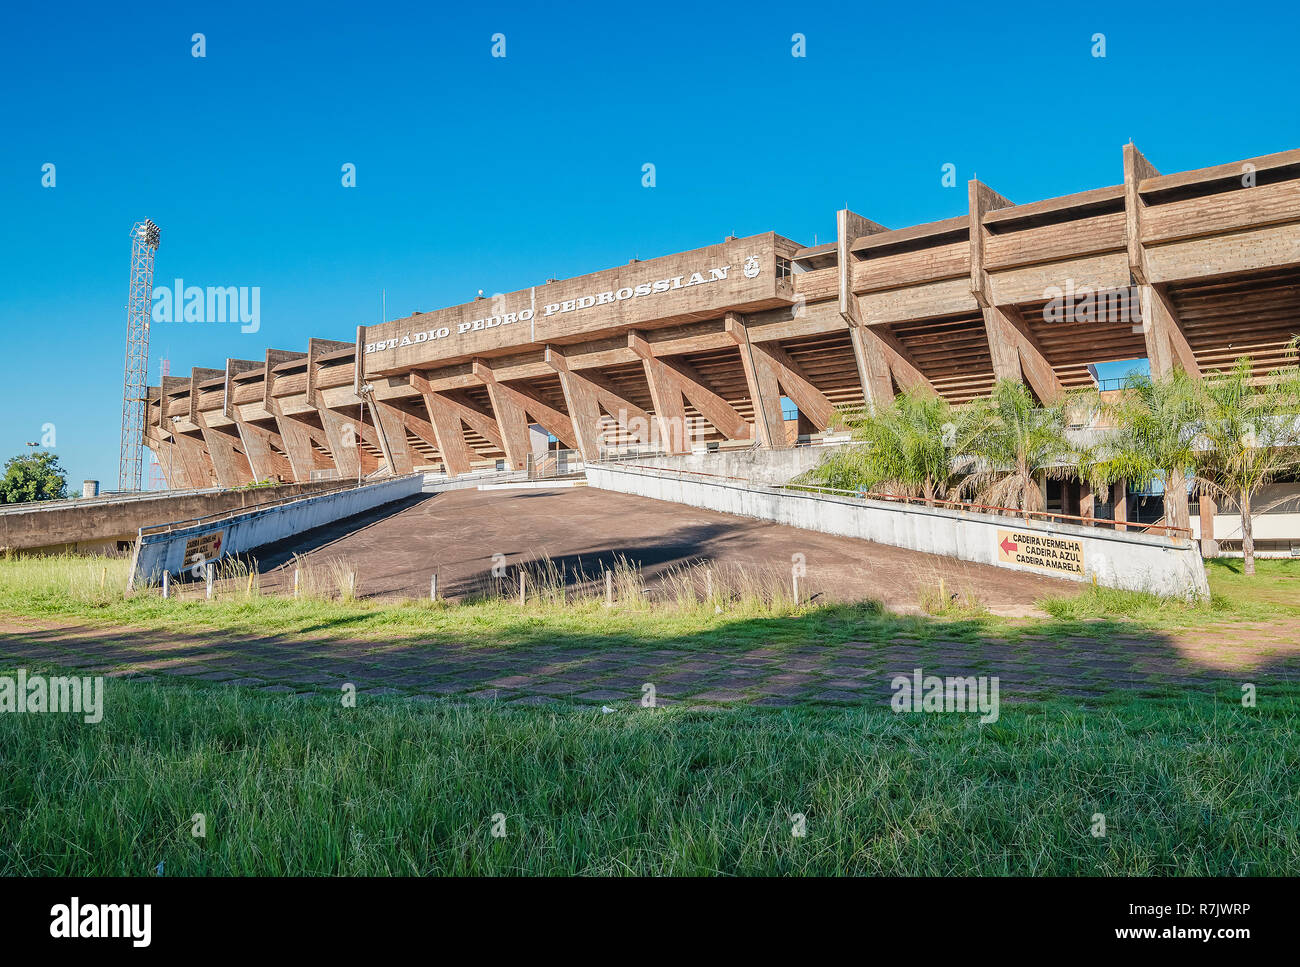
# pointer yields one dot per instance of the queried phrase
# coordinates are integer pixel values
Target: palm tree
(1154, 437)
(1251, 436)
(1014, 441)
(907, 446)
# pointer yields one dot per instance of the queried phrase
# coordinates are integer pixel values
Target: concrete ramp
(181, 545)
(1166, 566)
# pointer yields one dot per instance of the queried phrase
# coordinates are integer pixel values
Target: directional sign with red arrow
(1054, 553)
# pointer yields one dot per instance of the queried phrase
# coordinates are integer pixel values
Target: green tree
(1154, 425)
(906, 447)
(1251, 436)
(1014, 441)
(33, 476)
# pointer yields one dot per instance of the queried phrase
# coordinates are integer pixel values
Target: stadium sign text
(609, 297)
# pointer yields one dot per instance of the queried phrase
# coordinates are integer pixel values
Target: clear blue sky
(476, 172)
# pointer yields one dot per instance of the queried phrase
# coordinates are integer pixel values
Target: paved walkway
(462, 534)
(851, 672)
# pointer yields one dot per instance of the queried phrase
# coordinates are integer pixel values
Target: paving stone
(554, 688)
(793, 678)
(492, 694)
(719, 695)
(197, 670)
(604, 695)
(789, 690)
(216, 676)
(511, 681)
(448, 688)
(837, 695)
(845, 683)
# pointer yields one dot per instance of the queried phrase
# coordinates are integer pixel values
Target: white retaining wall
(1125, 560)
(758, 464)
(239, 533)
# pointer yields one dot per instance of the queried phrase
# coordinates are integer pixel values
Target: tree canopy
(33, 476)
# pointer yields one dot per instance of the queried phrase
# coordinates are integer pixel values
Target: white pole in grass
(167, 584)
(794, 581)
(433, 587)
(352, 584)
(523, 587)
(609, 588)
(211, 575)
(295, 582)
(708, 584)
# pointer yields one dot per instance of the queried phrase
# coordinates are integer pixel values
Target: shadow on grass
(835, 654)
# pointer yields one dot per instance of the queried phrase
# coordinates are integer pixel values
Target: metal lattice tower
(144, 243)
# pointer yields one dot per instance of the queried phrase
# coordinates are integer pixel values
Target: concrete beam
(1017, 355)
(672, 379)
(1136, 168)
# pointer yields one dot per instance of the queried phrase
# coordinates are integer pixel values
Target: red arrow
(1008, 546)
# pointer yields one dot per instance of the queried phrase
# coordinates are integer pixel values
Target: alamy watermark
(216, 303)
(75, 920)
(930, 693)
(29, 694)
(1086, 305)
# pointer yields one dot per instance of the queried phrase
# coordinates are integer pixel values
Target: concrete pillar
(1209, 546)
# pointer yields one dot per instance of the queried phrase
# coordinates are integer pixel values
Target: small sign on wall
(1045, 552)
(205, 547)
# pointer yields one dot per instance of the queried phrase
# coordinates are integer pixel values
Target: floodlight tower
(144, 243)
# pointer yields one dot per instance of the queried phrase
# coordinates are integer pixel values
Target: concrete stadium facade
(702, 348)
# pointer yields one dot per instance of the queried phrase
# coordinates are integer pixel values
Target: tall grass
(548, 585)
(699, 602)
(1193, 786)
(696, 600)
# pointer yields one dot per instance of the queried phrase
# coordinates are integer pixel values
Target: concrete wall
(247, 531)
(438, 482)
(1129, 561)
(758, 465)
(97, 524)
(1267, 527)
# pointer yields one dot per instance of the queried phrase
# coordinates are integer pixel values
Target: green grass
(1190, 783)
(1272, 593)
(1191, 786)
(90, 589)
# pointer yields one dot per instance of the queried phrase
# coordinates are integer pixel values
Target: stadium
(759, 341)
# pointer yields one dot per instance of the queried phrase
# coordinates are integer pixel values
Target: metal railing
(1112, 383)
(176, 525)
(554, 464)
(110, 497)
(636, 452)
(961, 506)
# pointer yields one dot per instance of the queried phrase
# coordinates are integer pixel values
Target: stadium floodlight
(145, 237)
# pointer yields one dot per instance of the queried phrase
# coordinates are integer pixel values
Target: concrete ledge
(95, 524)
(550, 484)
(1124, 560)
(436, 483)
(757, 464)
(238, 533)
